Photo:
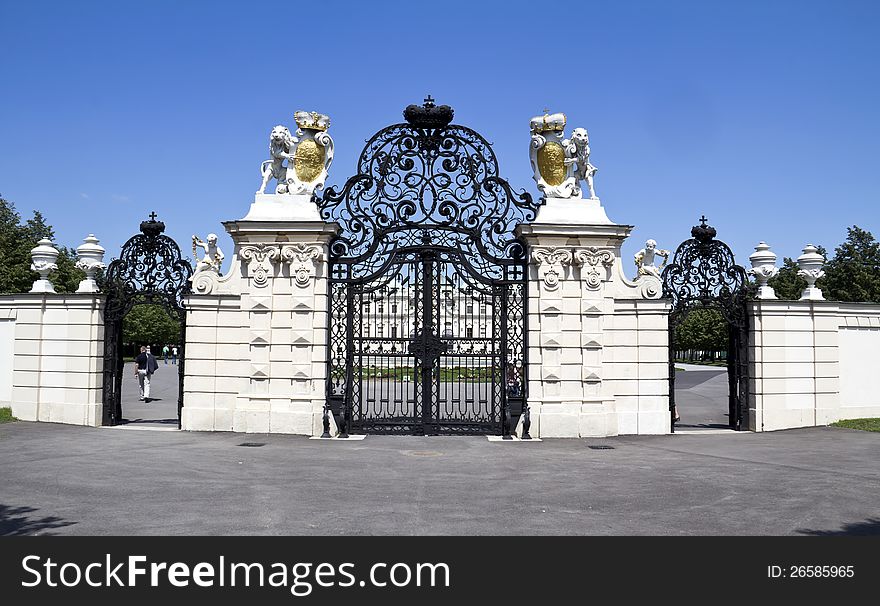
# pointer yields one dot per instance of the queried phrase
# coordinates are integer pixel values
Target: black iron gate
(427, 285)
(704, 274)
(150, 269)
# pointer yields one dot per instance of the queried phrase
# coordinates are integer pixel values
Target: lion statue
(280, 143)
(584, 171)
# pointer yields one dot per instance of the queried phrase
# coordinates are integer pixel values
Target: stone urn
(763, 268)
(43, 257)
(89, 258)
(810, 264)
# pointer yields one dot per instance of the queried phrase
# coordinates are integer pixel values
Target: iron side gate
(427, 285)
(704, 274)
(150, 269)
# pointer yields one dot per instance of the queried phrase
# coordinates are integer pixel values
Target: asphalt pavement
(161, 410)
(701, 397)
(59, 479)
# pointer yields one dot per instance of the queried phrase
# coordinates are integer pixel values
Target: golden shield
(308, 160)
(551, 163)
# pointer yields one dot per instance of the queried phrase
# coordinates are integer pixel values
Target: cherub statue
(579, 147)
(213, 258)
(280, 144)
(645, 260)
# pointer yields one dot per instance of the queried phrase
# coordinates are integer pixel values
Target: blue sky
(762, 115)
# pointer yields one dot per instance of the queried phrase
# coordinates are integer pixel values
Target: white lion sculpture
(584, 171)
(280, 143)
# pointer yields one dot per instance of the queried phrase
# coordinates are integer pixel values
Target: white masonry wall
(812, 363)
(216, 358)
(598, 342)
(256, 337)
(637, 365)
(51, 351)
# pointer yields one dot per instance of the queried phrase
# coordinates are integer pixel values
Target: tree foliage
(149, 324)
(787, 284)
(702, 329)
(854, 272)
(16, 241)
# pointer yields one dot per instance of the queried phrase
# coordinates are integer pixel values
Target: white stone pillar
(279, 282)
(597, 342)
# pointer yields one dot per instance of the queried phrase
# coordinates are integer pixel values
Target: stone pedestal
(282, 207)
(597, 342)
(256, 338)
(573, 211)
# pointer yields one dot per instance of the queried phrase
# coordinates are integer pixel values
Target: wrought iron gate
(427, 285)
(704, 274)
(150, 269)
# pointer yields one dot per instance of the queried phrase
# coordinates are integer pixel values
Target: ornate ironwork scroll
(427, 284)
(150, 269)
(704, 274)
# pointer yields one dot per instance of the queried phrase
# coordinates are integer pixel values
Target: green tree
(854, 272)
(149, 324)
(787, 284)
(703, 329)
(16, 242)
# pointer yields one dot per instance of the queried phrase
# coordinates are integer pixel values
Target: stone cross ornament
(559, 165)
(299, 164)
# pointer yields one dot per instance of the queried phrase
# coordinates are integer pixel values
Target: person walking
(174, 354)
(165, 352)
(144, 367)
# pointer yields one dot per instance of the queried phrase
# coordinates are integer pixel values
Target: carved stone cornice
(550, 261)
(590, 259)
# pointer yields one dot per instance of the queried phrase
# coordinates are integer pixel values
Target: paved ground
(73, 480)
(58, 479)
(701, 396)
(161, 411)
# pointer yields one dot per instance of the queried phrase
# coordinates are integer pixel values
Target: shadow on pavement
(870, 527)
(14, 521)
(150, 421)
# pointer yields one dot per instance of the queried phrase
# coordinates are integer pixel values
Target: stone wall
(256, 337)
(812, 363)
(598, 361)
(51, 357)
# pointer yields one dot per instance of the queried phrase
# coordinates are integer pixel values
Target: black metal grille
(427, 286)
(704, 274)
(150, 269)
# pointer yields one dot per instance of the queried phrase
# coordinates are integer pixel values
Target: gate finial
(703, 232)
(152, 227)
(429, 115)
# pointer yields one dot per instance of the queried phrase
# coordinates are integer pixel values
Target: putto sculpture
(213, 259)
(299, 164)
(645, 260)
(559, 164)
